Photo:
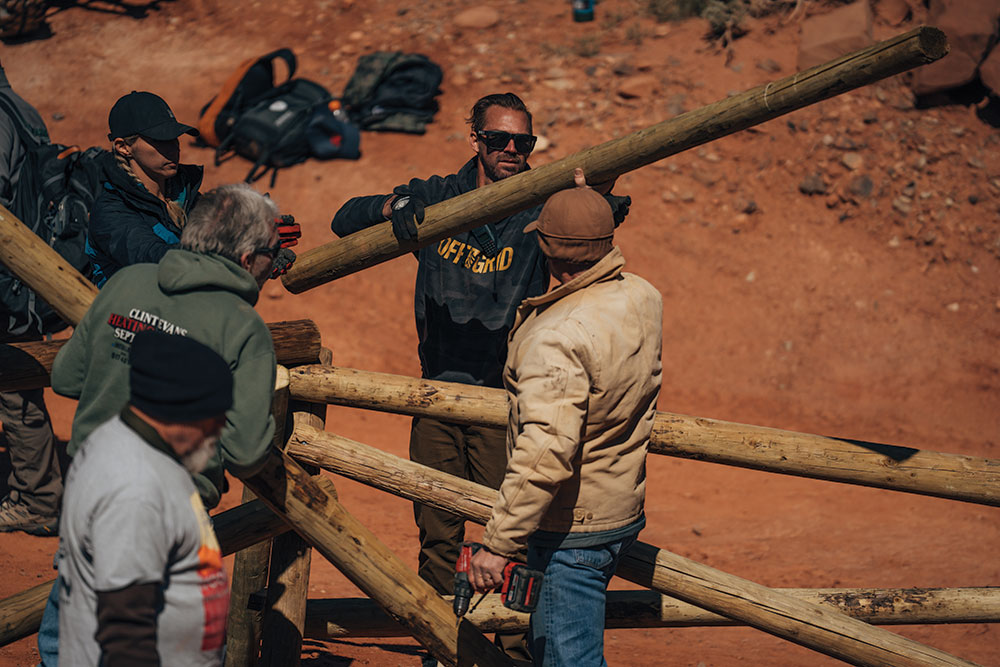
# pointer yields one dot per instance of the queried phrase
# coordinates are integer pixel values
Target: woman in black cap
(143, 206)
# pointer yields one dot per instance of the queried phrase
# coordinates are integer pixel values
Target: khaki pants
(35, 472)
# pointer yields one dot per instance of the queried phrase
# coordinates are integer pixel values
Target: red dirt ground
(821, 314)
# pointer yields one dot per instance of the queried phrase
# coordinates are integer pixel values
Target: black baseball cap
(176, 378)
(147, 115)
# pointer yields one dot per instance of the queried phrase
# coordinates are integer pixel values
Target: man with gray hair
(206, 290)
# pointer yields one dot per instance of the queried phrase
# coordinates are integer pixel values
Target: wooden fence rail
(804, 623)
(360, 617)
(965, 478)
(27, 365)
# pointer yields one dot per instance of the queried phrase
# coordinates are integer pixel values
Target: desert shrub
(587, 46)
(724, 18)
(675, 10)
(612, 19)
(635, 34)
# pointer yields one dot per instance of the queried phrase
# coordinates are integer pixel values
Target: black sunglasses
(496, 140)
(270, 251)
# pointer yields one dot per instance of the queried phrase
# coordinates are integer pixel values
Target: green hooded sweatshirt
(204, 296)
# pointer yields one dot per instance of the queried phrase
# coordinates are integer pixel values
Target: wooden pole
(346, 618)
(21, 614)
(291, 557)
(27, 365)
(377, 244)
(243, 626)
(310, 505)
(953, 476)
(798, 621)
(236, 529)
(250, 566)
(44, 270)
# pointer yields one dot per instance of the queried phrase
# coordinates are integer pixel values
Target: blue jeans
(567, 628)
(48, 632)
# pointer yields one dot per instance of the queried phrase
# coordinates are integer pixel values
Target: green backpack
(393, 92)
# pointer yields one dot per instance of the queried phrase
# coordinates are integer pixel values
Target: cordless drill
(520, 589)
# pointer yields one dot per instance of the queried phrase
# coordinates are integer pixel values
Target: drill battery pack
(521, 587)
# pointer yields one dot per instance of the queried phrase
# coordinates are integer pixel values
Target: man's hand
(407, 213)
(282, 262)
(289, 231)
(602, 188)
(486, 570)
(619, 207)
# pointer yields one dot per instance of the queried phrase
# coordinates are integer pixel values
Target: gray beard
(196, 460)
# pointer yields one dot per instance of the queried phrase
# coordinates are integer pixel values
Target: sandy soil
(836, 314)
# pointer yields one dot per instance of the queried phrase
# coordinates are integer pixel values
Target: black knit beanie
(175, 378)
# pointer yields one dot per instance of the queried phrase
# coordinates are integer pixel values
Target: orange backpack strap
(252, 78)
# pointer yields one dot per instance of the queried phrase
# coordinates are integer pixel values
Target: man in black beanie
(140, 571)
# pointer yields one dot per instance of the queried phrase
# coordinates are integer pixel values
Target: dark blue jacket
(130, 225)
(464, 303)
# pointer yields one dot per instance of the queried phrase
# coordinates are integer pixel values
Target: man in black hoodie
(467, 291)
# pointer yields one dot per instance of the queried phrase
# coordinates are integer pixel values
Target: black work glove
(407, 213)
(619, 207)
(282, 262)
(289, 231)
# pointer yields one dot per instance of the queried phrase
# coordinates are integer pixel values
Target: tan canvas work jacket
(583, 374)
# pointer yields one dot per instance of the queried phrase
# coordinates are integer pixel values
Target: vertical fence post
(291, 557)
(250, 565)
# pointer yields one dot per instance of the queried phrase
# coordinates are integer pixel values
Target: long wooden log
(785, 616)
(236, 529)
(310, 505)
(345, 618)
(44, 270)
(953, 476)
(601, 163)
(28, 365)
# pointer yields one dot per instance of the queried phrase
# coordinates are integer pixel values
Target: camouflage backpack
(393, 92)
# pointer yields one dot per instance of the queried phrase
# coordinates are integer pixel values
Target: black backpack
(56, 188)
(275, 126)
(393, 91)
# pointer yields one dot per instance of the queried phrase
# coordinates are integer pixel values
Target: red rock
(970, 26)
(478, 18)
(893, 12)
(640, 85)
(834, 34)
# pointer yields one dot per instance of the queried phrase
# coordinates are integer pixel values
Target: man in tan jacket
(582, 375)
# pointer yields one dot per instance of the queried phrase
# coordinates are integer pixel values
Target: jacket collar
(610, 266)
(184, 184)
(147, 432)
